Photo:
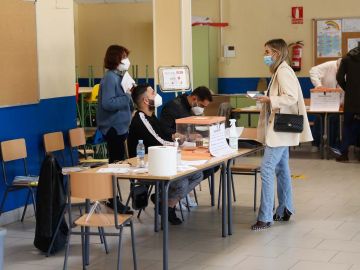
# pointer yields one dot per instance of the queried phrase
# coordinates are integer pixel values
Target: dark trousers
(115, 145)
(351, 131)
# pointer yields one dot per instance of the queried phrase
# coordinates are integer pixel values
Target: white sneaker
(192, 202)
(314, 149)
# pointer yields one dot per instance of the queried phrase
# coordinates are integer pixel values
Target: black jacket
(139, 131)
(348, 77)
(174, 109)
(50, 201)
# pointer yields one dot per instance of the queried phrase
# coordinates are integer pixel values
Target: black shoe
(285, 217)
(342, 158)
(173, 219)
(259, 226)
(121, 208)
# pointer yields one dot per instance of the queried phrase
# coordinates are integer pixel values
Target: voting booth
(325, 99)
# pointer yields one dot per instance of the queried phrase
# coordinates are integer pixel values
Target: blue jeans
(275, 162)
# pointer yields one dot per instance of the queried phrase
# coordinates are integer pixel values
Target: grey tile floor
(323, 234)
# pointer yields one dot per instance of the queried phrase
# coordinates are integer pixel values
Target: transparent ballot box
(194, 130)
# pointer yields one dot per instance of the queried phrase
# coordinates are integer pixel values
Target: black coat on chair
(50, 203)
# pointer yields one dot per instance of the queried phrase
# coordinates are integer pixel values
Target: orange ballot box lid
(200, 120)
(323, 89)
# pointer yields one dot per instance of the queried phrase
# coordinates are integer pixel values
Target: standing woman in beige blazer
(284, 95)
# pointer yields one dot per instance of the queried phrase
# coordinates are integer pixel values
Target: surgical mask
(124, 65)
(268, 60)
(197, 110)
(156, 102)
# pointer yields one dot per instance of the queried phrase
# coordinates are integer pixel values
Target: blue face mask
(268, 60)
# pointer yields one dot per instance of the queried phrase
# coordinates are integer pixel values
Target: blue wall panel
(241, 85)
(31, 122)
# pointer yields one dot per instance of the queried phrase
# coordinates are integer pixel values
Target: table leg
(87, 236)
(229, 195)
(322, 136)
(165, 190)
(156, 221)
(212, 187)
(326, 132)
(223, 204)
(249, 119)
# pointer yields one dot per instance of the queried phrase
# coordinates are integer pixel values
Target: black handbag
(139, 196)
(293, 123)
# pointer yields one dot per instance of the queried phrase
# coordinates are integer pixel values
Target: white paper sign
(127, 82)
(325, 101)
(174, 78)
(217, 145)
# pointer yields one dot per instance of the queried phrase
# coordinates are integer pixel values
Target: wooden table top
(85, 90)
(145, 176)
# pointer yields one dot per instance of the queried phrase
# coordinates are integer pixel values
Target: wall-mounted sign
(297, 15)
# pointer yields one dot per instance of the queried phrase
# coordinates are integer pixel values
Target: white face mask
(156, 102)
(124, 65)
(197, 110)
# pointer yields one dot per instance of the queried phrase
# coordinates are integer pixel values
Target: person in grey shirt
(114, 104)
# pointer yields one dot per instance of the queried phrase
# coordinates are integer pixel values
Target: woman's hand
(263, 99)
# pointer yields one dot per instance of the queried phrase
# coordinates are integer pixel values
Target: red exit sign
(297, 15)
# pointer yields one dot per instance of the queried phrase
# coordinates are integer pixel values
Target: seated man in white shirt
(324, 76)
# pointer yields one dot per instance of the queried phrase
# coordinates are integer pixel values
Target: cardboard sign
(327, 100)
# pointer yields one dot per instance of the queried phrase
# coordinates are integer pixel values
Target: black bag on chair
(50, 203)
(293, 123)
(139, 196)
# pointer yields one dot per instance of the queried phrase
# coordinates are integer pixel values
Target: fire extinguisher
(296, 55)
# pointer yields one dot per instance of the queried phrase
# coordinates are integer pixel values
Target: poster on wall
(329, 38)
(353, 43)
(351, 25)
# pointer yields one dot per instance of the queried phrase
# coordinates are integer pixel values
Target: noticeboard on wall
(174, 78)
(333, 38)
(18, 53)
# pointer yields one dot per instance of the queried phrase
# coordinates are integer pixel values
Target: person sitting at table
(324, 76)
(145, 126)
(184, 106)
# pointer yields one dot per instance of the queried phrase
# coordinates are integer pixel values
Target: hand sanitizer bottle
(233, 136)
(176, 144)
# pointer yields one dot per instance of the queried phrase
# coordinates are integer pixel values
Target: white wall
(56, 48)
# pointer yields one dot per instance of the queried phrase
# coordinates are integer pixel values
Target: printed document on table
(127, 82)
(217, 144)
(325, 101)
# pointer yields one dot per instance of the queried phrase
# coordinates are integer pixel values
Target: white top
(324, 75)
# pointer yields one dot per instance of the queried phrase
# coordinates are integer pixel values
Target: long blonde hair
(279, 46)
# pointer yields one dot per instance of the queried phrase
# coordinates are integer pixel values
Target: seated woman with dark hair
(145, 126)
